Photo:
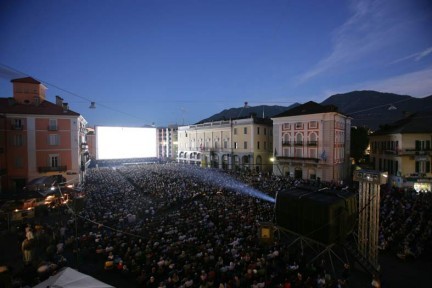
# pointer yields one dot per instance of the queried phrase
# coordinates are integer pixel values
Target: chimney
(65, 107)
(59, 101)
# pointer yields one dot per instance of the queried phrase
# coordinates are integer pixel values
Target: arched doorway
(246, 162)
(236, 162)
(225, 161)
(298, 173)
(258, 164)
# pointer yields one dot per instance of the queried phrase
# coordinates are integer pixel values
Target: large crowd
(172, 225)
(406, 222)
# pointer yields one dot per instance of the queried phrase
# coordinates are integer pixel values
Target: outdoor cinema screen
(125, 142)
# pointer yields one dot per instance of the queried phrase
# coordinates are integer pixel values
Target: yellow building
(312, 141)
(236, 144)
(404, 150)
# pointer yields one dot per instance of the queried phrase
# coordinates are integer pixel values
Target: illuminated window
(54, 160)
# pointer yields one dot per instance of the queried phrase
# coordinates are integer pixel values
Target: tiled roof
(308, 108)
(9, 106)
(26, 80)
(420, 122)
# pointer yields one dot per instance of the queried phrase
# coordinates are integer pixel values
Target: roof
(310, 107)
(10, 106)
(26, 80)
(420, 122)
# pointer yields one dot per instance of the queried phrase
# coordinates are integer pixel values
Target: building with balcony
(39, 138)
(235, 144)
(167, 142)
(403, 149)
(312, 141)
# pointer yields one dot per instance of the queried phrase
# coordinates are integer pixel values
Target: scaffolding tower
(369, 208)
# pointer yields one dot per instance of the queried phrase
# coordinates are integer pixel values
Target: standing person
(26, 250)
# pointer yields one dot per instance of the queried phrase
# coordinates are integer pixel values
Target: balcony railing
(402, 152)
(298, 143)
(52, 128)
(297, 158)
(312, 143)
(286, 143)
(45, 169)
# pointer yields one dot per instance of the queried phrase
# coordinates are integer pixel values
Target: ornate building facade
(312, 141)
(236, 144)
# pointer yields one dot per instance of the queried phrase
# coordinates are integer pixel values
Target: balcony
(46, 169)
(296, 158)
(312, 143)
(405, 152)
(298, 143)
(286, 143)
(52, 128)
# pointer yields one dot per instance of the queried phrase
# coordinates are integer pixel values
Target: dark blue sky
(167, 62)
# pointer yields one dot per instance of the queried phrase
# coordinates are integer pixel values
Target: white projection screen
(125, 142)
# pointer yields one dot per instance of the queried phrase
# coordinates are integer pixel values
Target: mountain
(247, 111)
(372, 109)
(367, 108)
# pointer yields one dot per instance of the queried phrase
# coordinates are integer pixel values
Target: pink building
(39, 138)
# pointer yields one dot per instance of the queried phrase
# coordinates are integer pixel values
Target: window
(265, 131)
(258, 145)
(225, 144)
(265, 145)
(286, 152)
(422, 167)
(235, 145)
(245, 145)
(235, 131)
(17, 124)
(258, 130)
(299, 139)
(313, 153)
(298, 152)
(286, 126)
(54, 160)
(18, 140)
(245, 130)
(422, 145)
(53, 139)
(313, 124)
(298, 125)
(18, 162)
(52, 124)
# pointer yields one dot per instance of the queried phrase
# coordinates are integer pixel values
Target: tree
(359, 142)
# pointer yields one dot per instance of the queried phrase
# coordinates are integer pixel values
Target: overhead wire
(183, 101)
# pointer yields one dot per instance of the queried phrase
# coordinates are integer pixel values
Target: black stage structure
(320, 223)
